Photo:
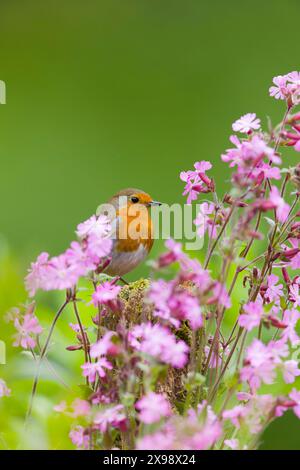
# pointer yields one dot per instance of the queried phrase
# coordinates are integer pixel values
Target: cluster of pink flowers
(152, 407)
(261, 362)
(197, 181)
(182, 363)
(199, 430)
(27, 326)
(158, 341)
(63, 271)
(287, 87)
(252, 158)
(107, 294)
(175, 304)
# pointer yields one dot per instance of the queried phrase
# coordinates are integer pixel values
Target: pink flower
(297, 145)
(61, 407)
(205, 223)
(259, 365)
(198, 431)
(268, 171)
(287, 87)
(295, 396)
(36, 273)
(290, 318)
(160, 440)
(160, 343)
(159, 294)
(262, 361)
(295, 261)
(105, 345)
(291, 255)
(278, 350)
(256, 148)
(174, 254)
(206, 428)
(290, 371)
(205, 438)
(253, 414)
(99, 226)
(249, 153)
(28, 327)
(63, 271)
(106, 294)
(175, 304)
(274, 291)
(4, 390)
(80, 437)
(191, 270)
(246, 123)
(75, 327)
(196, 181)
(153, 407)
(51, 274)
(202, 166)
(60, 274)
(77, 256)
(235, 415)
(294, 294)
(184, 306)
(252, 316)
(279, 91)
(92, 370)
(98, 248)
(175, 353)
(80, 408)
(113, 416)
(282, 208)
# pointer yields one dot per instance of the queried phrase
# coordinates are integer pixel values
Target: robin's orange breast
(134, 230)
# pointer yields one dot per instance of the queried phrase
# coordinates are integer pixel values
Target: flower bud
(76, 347)
(286, 276)
(289, 254)
(277, 322)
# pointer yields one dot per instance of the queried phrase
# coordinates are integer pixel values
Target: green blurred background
(107, 94)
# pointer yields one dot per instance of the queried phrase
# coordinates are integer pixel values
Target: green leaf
(86, 391)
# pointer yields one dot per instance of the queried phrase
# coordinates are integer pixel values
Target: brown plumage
(132, 230)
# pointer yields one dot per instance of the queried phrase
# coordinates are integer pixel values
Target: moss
(137, 286)
(136, 310)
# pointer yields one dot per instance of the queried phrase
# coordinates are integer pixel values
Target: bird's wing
(114, 228)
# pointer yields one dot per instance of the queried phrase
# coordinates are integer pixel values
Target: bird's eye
(134, 199)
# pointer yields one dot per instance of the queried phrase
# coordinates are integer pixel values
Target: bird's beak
(155, 203)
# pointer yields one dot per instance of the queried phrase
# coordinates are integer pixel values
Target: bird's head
(132, 196)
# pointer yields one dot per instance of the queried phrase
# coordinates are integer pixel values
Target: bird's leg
(119, 278)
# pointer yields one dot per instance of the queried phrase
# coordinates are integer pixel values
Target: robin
(132, 229)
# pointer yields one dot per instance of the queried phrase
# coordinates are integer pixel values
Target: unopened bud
(294, 118)
(289, 254)
(277, 322)
(74, 347)
(286, 276)
(276, 256)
